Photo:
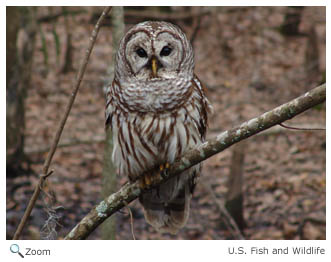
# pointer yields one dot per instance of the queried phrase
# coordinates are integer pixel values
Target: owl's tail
(167, 214)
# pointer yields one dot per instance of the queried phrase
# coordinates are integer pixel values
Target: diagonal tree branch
(131, 191)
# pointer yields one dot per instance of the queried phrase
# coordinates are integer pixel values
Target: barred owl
(157, 110)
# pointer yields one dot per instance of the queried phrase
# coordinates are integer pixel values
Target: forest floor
(248, 67)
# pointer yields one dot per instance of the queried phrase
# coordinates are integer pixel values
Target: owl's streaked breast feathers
(155, 119)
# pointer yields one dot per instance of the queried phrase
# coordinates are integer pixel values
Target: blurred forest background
(251, 59)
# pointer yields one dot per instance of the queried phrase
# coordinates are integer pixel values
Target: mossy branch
(131, 191)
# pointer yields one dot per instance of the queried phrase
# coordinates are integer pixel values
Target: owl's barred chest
(144, 140)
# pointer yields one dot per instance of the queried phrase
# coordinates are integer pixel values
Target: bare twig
(302, 128)
(278, 130)
(48, 174)
(131, 222)
(61, 126)
(131, 191)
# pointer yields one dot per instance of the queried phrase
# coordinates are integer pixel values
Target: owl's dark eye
(141, 52)
(165, 51)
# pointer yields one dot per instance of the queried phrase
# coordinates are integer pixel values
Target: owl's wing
(110, 109)
(205, 106)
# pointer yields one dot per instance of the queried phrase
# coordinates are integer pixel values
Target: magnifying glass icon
(14, 248)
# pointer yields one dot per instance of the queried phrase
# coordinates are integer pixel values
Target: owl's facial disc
(154, 56)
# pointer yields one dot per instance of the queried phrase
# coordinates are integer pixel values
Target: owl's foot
(150, 178)
(164, 169)
(146, 180)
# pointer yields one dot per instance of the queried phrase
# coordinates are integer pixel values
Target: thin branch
(49, 173)
(302, 128)
(131, 222)
(131, 191)
(61, 126)
(275, 130)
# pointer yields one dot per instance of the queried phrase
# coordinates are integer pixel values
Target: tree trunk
(234, 196)
(109, 174)
(20, 45)
(292, 21)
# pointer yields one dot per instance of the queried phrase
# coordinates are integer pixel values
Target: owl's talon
(164, 170)
(146, 180)
(142, 183)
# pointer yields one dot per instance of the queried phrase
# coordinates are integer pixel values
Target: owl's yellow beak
(154, 66)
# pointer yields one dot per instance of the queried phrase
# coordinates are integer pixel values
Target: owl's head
(154, 50)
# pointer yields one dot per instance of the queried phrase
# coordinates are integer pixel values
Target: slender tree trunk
(19, 54)
(235, 196)
(292, 21)
(68, 53)
(109, 173)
